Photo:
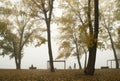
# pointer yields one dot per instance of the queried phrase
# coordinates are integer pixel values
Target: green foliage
(6, 42)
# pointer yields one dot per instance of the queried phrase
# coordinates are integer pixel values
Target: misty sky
(39, 56)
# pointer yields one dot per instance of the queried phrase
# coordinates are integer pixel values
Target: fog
(39, 57)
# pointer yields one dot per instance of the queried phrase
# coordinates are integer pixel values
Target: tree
(72, 29)
(8, 44)
(107, 27)
(93, 31)
(69, 44)
(43, 9)
(21, 31)
(107, 20)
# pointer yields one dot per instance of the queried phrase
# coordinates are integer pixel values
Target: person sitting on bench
(32, 67)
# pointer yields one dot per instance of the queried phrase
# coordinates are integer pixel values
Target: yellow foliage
(67, 19)
(89, 40)
(61, 55)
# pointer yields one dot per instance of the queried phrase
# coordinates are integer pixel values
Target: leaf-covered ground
(59, 75)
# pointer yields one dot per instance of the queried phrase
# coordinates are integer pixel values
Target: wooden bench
(32, 67)
(104, 67)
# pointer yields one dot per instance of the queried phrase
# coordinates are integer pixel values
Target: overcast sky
(39, 56)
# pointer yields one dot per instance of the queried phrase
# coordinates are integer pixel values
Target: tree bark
(78, 55)
(85, 64)
(15, 54)
(16, 62)
(47, 15)
(50, 50)
(92, 50)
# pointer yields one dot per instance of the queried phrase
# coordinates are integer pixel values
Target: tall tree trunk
(48, 15)
(15, 54)
(16, 62)
(89, 70)
(47, 9)
(19, 62)
(92, 50)
(50, 49)
(20, 49)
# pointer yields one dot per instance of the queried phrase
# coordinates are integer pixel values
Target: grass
(59, 75)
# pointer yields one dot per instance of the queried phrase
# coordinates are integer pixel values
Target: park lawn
(59, 75)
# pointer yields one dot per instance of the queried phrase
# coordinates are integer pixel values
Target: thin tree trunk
(77, 48)
(114, 51)
(78, 55)
(85, 64)
(85, 60)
